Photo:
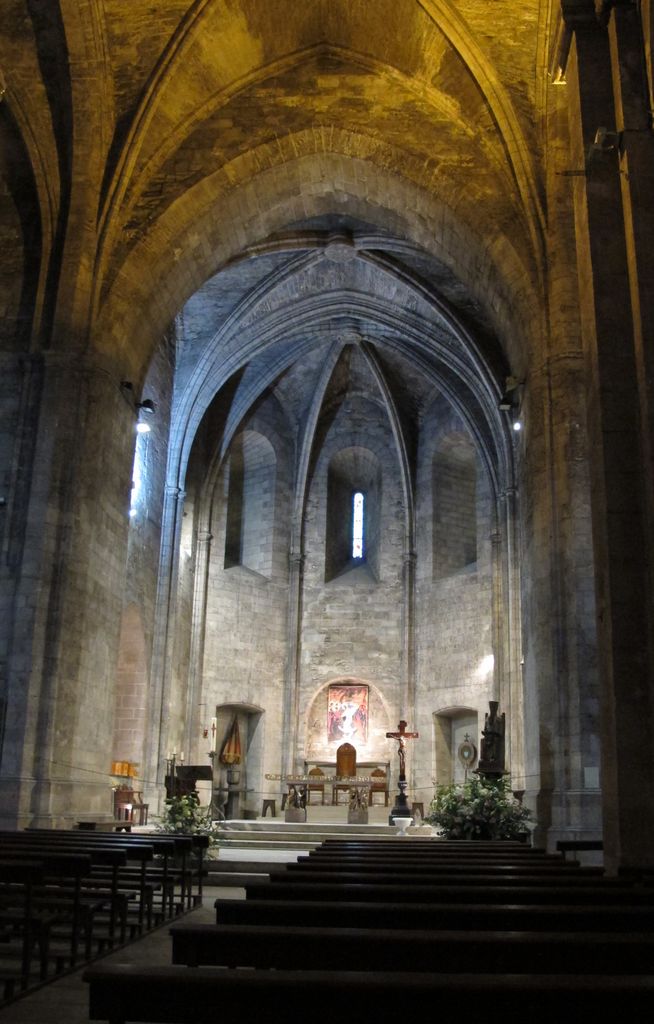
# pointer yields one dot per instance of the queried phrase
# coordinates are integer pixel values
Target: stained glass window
(357, 525)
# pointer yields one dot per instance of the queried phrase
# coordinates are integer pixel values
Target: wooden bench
(565, 846)
(60, 895)
(205, 995)
(24, 927)
(176, 866)
(482, 916)
(426, 877)
(460, 893)
(109, 876)
(426, 848)
(416, 950)
(405, 868)
(144, 872)
(505, 846)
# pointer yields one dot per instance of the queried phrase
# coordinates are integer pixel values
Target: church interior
(326, 399)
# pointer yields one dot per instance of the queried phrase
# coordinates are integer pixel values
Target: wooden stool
(268, 804)
(418, 807)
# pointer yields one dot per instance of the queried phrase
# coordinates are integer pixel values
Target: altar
(300, 786)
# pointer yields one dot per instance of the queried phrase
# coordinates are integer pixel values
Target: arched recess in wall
(451, 727)
(323, 733)
(250, 503)
(454, 496)
(131, 689)
(352, 470)
(241, 797)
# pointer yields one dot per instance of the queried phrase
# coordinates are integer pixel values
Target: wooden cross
(401, 735)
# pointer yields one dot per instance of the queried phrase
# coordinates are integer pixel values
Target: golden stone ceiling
(160, 142)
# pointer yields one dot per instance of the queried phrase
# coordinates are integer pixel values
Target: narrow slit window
(357, 525)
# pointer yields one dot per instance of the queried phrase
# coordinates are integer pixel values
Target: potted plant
(183, 816)
(478, 809)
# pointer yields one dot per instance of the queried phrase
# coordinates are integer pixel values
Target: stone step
(237, 842)
(249, 840)
(234, 879)
(279, 828)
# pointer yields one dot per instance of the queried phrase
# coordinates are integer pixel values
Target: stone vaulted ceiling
(295, 175)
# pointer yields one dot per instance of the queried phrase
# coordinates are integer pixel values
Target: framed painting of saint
(347, 713)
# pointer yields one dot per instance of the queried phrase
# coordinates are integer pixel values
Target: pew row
(205, 995)
(69, 895)
(417, 950)
(480, 916)
(399, 892)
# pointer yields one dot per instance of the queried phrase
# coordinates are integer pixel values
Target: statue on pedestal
(491, 756)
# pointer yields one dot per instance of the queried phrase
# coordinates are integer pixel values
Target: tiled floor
(65, 1001)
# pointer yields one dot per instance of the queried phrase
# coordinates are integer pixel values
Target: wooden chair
(381, 786)
(346, 767)
(129, 806)
(318, 786)
(123, 804)
(139, 809)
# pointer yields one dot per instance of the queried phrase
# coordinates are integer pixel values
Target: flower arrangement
(183, 816)
(478, 809)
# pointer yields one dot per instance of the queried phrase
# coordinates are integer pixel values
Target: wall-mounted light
(142, 409)
(509, 398)
(146, 408)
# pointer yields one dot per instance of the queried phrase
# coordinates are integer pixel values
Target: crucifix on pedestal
(401, 808)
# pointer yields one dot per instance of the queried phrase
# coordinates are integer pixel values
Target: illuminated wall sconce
(143, 409)
(509, 399)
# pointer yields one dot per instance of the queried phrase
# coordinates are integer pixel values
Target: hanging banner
(231, 749)
(347, 713)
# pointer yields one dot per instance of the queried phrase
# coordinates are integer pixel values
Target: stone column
(409, 710)
(497, 610)
(636, 147)
(507, 683)
(290, 727)
(69, 584)
(196, 655)
(560, 670)
(161, 671)
(610, 289)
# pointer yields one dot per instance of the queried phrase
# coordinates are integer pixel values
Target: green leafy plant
(184, 816)
(478, 809)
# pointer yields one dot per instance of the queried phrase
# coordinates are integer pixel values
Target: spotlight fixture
(147, 406)
(509, 397)
(606, 140)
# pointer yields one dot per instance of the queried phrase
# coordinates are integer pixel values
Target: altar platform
(249, 849)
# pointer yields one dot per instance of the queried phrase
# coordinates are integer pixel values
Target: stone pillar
(290, 727)
(161, 671)
(497, 610)
(69, 586)
(408, 711)
(610, 290)
(560, 661)
(636, 147)
(507, 680)
(193, 740)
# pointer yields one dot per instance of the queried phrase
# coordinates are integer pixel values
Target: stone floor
(65, 1001)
